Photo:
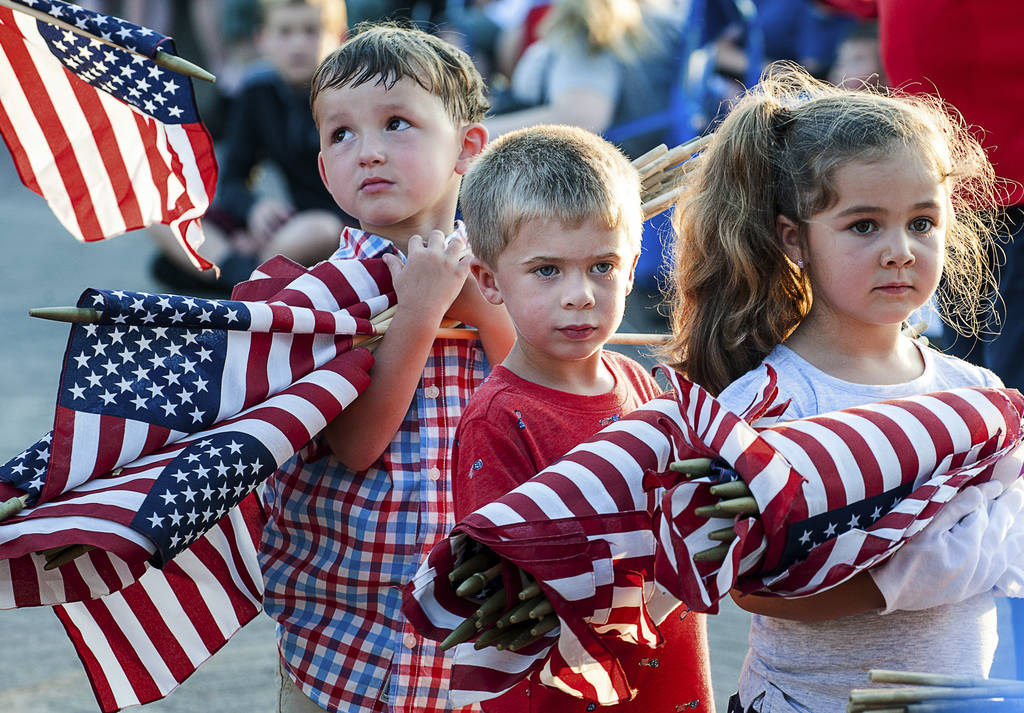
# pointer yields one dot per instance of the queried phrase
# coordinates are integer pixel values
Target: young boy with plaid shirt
(398, 115)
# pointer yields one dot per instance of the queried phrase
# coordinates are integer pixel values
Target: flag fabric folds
(171, 410)
(139, 643)
(837, 492)
(865, 480)
(108, 138)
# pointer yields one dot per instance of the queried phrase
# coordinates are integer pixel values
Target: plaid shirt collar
(360, 244)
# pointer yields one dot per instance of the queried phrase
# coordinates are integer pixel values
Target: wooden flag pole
(86, 315)
(164, 59)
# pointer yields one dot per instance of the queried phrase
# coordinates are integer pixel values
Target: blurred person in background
(858, 60)
(270, 199)
(598, 63)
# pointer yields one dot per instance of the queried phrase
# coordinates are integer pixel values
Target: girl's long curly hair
(734, 295)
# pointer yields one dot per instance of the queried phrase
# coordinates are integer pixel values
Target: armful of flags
(837, 493)
(170, 411)
(867, 479)
(111, 140)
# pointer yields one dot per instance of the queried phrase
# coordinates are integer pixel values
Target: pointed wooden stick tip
(11, 507)
(691, 466)
(80, 315)
(182, 66)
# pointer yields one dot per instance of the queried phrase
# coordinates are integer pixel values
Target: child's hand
(973, 545)
(432, 276)
(265, 217)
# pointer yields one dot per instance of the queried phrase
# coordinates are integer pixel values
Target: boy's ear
(789, 236)
(486, 281)
(632, 273)
(474, 138)
(323, 171)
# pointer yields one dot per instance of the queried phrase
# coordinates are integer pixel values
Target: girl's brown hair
(734, 294)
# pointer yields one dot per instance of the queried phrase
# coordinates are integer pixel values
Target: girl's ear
(474, 138)
(486, 281)
(789, 237)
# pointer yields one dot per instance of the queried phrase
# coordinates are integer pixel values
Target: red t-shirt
(510, 430)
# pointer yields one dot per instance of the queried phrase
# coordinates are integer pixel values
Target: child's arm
(425, 287)
(854, 596)
(492, 321)
(975, 544)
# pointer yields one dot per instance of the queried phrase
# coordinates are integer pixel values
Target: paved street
(44, 266)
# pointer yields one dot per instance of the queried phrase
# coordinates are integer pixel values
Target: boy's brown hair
(547, 172)
(385, 53)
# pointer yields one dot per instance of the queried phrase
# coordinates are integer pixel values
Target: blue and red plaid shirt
(340, 544)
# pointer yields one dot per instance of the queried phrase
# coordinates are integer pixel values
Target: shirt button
(410, 641)
(431, 392)
(434, 474)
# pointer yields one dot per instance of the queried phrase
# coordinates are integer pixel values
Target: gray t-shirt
(802, 667)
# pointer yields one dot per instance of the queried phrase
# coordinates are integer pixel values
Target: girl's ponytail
(735, 294)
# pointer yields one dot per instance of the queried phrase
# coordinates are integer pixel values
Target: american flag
(108, 138)
(580, 527)
(171, 410)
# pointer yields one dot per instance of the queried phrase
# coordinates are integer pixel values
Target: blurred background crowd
(640, 72)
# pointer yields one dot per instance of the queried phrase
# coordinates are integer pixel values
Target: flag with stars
(164, 389)
(170, 411)
(837, 493)
(108, 138)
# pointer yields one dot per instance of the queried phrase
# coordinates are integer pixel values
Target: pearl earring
(800, 263)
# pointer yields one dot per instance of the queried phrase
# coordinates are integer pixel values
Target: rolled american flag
(837, 493)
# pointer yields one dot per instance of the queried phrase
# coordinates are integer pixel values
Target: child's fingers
(394, 264)
(435, 240)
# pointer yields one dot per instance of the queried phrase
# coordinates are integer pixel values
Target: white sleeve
(974, 545)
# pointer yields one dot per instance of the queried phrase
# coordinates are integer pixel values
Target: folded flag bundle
(837, 492)
(585, 529)
(170, 411)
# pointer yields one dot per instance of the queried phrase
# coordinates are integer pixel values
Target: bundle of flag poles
(936, 693)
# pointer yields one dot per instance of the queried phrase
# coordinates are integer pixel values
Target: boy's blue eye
(546, 270)
(603, 268)
(397, 124)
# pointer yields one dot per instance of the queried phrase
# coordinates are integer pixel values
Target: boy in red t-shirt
(553, 217)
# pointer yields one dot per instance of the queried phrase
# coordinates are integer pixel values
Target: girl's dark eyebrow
(857, 209)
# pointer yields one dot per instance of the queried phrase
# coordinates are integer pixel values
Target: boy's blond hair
(386, 53)
(547, 172)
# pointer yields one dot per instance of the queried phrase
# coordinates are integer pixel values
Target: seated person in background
(598, 64)
(270, 130)
(553, 217)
